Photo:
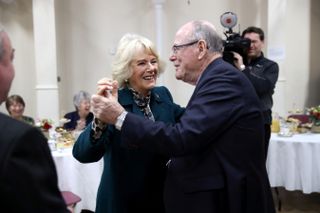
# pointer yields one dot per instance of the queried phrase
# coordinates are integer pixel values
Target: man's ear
(203, 48)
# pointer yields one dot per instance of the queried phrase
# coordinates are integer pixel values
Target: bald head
(196, 45)
(201, 29)
(6, 66)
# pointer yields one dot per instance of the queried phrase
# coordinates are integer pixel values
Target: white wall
(296, 71)
(87, 36)
(17, 20)
(313, 41)
(179, 12)
(88, 33)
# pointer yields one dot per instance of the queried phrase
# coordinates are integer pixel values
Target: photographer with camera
(262, 72)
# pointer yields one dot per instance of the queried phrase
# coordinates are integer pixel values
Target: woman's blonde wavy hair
(129, 45)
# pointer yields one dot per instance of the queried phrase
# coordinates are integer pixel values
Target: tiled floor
(297, 202)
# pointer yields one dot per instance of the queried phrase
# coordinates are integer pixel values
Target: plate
(64, 120)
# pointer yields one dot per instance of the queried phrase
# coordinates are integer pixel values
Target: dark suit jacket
(133, 178)
(217, 147)
(28, 179)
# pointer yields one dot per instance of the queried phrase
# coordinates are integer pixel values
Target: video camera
(234, 42)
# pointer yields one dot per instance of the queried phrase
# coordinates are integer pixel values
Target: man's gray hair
(80, 96)
(206, 31)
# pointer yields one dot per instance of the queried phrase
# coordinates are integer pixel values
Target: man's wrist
(120, 120)
(242, 67)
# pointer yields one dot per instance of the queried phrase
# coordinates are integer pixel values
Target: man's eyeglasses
(177, 47)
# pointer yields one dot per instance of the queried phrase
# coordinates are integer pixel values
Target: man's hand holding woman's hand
(107, 87)
(105, 105)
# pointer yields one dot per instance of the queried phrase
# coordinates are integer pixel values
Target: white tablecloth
(81, 179)
(294, 162)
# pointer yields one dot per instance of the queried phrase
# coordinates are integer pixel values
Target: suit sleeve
(216, 106)
(86, 149)
(30, 178)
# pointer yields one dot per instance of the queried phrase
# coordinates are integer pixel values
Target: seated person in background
(80, 118)
(15, 106)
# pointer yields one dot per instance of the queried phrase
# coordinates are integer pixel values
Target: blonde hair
(129, 45)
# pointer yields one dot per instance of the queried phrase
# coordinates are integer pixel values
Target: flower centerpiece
(314, 116)
(44, 125)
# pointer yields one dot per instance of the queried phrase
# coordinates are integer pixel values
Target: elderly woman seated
(80, 118)
(15, 106)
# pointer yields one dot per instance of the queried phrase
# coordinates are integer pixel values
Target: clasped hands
(104, 104)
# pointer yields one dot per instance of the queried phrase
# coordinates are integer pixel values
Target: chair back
(70, 198)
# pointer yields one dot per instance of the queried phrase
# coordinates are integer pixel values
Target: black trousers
(267, 135)
(211, 201)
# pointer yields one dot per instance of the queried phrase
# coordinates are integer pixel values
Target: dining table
(81, 179)
(293, 162)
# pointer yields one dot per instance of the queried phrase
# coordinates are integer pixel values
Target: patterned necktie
(143, 103)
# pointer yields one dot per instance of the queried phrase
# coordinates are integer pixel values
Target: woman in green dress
(15, 106)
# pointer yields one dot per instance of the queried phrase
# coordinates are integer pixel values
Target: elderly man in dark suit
(217, 153)
(28, 179)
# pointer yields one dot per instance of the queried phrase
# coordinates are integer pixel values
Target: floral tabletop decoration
(44, 124)
(314, 115)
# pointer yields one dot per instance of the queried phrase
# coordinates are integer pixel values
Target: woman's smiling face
(16, 110)
(144, 67)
